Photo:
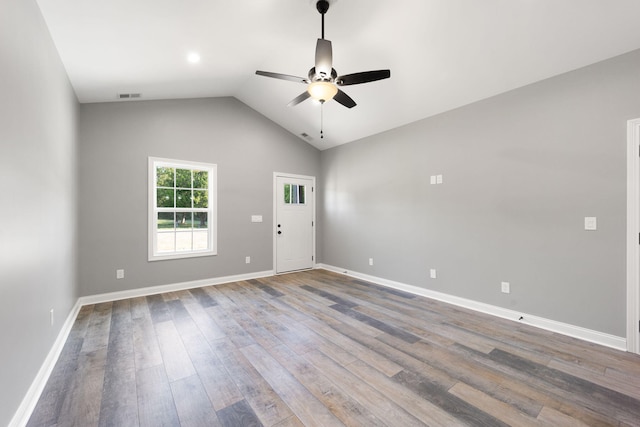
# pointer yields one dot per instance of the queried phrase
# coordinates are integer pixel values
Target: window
(294, 194)
(182, 209)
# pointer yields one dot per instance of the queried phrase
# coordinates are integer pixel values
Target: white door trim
(275, 214)
(633, 233)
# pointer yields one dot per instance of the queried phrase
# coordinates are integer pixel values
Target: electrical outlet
(438, 179)
(120, 274)
(370, 261)
(247, 260)
(505, 287)
(432, 273)
(590, 223)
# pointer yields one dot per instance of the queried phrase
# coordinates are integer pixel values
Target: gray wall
(521, 171)
(38, 113)
(115, 141)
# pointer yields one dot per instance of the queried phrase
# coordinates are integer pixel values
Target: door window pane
(294, 194)
(287, 193)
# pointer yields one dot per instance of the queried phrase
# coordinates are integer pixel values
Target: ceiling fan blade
(344, 99)
(324, 58)
(283, 76)
(363, 77)
(298, 99)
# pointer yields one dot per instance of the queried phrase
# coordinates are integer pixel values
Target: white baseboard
(596, 337)
(152, 290)
(22, 415)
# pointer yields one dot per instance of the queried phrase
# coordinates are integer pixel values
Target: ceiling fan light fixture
(322, 91)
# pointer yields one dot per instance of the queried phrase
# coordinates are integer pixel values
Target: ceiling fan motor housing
(321, 77)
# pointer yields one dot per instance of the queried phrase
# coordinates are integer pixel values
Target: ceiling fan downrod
(323, 7)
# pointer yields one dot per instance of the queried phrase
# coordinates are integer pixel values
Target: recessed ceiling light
(193, 57)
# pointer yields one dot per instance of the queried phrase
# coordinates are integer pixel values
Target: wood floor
(320, 349)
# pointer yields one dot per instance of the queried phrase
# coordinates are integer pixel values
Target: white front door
(294, 222)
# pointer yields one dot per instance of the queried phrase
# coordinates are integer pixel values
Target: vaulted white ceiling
(442, 53)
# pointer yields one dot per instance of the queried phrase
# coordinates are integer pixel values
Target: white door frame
(275, 214)
(633, 233)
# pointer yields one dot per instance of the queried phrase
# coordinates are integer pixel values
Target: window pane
(301, 196)
(165, 220)
(166, 241)
(183, 178)
(183, 198)
(164, 198)
(164, 177)
(200, 240)
(200, 220)
(200, 199)
(184, 241)
(184, 219)
(294, 194)
(200, 179)
(287, 193)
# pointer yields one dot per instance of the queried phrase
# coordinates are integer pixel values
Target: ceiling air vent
(129, 95)
(306, 136)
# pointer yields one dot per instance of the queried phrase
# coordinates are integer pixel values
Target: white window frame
(153, 210)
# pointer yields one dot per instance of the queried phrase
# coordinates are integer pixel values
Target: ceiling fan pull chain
(321, 120)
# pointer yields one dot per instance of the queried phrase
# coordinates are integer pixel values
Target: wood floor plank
(119, 406)
(217, 382)
(552, 397)
(192, 403)
(156, 406)
(379, 405)
(81, 406)
(145, 342)
(204, 299)
(97, 336)
(304, 405)
(493, 383)
(413, 403)
(49, 405)
(609, 402)
(266, 403)
(342, 405)
(495, 408)
(175, 358)
(158, 309)
(239, 414)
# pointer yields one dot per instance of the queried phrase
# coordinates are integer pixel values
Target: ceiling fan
(323, 80)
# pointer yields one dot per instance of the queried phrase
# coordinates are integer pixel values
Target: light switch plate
(438, 179)
(432, 273)
(590, 223)
(256, 218)
(433, 180)
(119, 274)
